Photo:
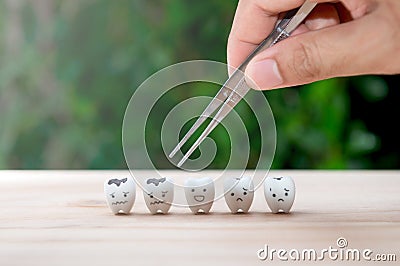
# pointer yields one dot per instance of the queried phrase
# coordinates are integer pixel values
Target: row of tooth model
(158, 194)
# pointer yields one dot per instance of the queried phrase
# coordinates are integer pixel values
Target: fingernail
(265, 74)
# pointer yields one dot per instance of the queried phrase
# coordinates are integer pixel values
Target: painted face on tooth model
(120, 194)
(279, 193)
(159, 194)
(239, 193)
(200, 194)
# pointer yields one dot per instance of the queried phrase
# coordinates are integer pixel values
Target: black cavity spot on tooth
(155, 181)
(278, 178)
(117, 182)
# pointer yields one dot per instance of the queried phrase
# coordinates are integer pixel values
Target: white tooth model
(120, 194)
(279, 193)
(239, 193)
(200, 194)
(158, 194)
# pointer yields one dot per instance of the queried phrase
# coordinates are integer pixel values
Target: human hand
(339, 38)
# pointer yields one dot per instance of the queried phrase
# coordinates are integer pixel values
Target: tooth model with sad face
(239, 193)
(120, 194)
(200, 194)
(279, 193)
(158, 194)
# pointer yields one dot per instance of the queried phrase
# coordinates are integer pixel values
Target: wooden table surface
(61, 218)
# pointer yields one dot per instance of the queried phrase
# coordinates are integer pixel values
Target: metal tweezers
(227, 97)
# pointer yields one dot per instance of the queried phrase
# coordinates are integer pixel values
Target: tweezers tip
(183, 160)
(180, 164)
(174, 151)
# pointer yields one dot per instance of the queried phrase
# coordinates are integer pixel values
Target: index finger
(254, 20)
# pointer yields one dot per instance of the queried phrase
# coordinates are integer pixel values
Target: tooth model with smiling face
(158, 194)
(279, 193)
(200, 194)
(239, 193)
(120, 194)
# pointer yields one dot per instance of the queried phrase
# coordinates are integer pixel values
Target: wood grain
(61, 218)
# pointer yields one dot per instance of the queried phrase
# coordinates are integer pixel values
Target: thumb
(341, 50)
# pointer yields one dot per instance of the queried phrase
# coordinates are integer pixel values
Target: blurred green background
(69, 67)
